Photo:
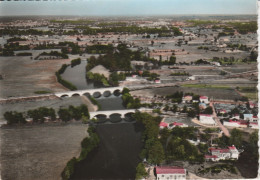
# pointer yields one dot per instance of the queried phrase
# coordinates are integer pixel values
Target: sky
(127, 7)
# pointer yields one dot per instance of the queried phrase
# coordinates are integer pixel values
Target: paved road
(223, 128)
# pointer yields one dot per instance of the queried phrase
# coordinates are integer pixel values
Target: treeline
(55, 53)
(75, 62)
(153, 150)
(66, 114)
(16, 32)
(114, 61)
(9, 49)
(15, 39)
(128, 101)
(180, 74)
(62, 81)
(113, 79)
(130, 29)
(244, 27)
(97, 78)
(24, 54)
(99, 49)
(87, 145)
(41, 114)
(150, 76)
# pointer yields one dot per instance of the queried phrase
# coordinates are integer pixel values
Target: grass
(251, 95)
(42, 92)
(249, 92)
(208, 86)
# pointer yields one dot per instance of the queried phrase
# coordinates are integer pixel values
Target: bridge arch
(64, 96)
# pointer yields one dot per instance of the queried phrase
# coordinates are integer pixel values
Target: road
(223, 128)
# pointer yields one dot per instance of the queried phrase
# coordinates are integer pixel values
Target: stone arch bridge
(108, 113)
(89, 91)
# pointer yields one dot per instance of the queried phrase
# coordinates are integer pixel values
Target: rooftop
(170, 170)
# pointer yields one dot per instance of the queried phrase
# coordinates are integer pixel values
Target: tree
(140, 171)
(253, 144)
(236, 137)
(64, 115)
(172, 60)
(156, 153)
(208, 110)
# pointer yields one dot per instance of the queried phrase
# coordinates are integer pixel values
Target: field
(39, 152)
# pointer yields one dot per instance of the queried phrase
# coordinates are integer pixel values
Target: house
(248, 117)
(223, 154)
(236, 123)
(206, 119)
(222, 111)
(236, 116)
(255, 118)
(233, 152)
(253, 125)
(163, 125)
(170, 172)
(202, 105)
(173, 125)
(157, 81)
(251, 104)
(204, 99)
(186, 99)
(211, 158)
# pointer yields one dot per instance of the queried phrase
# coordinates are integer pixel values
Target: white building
(207, 119)
(223, 154)
(170, 173)
(204, 99)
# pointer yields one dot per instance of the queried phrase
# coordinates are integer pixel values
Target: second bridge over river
(108, 113)
(123, 113)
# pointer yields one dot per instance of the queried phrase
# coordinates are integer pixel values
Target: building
(207, 119)
(170, 173)
(204, 99)
(163, 125)
(202, 106)
(253, 125)
(187, 99)
(248, 117)
(236, 123)
(222, 154)
(211, 158)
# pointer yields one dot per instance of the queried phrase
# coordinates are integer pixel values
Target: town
(170, 97)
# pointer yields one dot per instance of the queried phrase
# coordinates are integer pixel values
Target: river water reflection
(117, 155)
(77, 76)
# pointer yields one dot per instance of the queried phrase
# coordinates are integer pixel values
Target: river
(117, 155)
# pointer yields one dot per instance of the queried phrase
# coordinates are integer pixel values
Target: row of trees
(65, 83)
(153, 150)
(87, 145)
(75, 62)
(39, 115)
(128, 101)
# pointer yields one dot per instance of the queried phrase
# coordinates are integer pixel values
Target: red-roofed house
(211, 158)
(230, 153)
(163, 125)
(204, 99)
(170, 173)
(254, 125)
(174, 124)
(236, 123)
(186, 99)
